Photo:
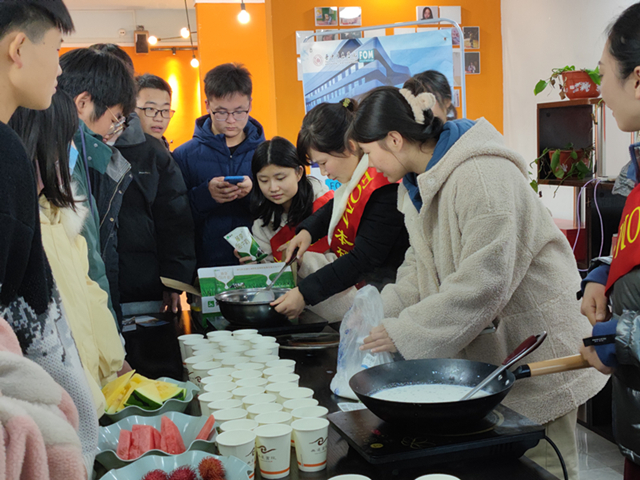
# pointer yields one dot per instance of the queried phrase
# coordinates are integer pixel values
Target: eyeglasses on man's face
(152, 112)
(117, 126)
(238, 115)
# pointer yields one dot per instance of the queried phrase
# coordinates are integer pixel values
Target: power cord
(564, 466)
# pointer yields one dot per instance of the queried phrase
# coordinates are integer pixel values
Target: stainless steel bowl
(237, 306)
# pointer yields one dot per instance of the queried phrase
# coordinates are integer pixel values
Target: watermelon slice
(124, 444)
(157, 439)
(206, 430)
(171, 439)
(142, 438)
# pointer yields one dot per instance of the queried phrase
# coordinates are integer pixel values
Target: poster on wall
(326, 16)
(327, 35)
(471, 37)
(426, 12)
(350, 16)
(472, 63)
(348, 35)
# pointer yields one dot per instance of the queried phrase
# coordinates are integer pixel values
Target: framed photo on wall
(472, 63)
(326, 35)
(426, 12)
(350, 16)
(455, 37)
(471, 37)
(326, 16)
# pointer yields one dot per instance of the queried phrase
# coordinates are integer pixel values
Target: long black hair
(385, 110)
(434, 82)
(325, 127)
(624, 40)
(280, 151)
(47, 135)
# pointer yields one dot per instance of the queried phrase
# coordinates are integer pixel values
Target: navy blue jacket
(202, 158)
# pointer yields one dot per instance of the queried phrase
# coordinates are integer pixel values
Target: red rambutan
(211, 468)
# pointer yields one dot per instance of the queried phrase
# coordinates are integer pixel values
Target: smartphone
(234, 180)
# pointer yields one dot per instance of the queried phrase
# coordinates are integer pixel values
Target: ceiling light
(243, 16)
(184, 32)
(152, 40)
(194, 62)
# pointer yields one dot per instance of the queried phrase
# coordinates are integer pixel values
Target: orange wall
(484, 92)
(185, 82)
(222, 39)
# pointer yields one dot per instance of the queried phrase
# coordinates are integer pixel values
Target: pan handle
(555, 365)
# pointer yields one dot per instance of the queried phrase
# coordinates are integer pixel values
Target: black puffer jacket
(155, 236)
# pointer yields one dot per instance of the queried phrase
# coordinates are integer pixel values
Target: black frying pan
(450, 372)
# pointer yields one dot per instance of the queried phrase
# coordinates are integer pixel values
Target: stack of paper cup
(291, 405)
(206, 398)
(310, 436)
(181, 340)
(273, 446)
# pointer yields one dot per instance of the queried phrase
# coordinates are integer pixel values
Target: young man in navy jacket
(222, 146)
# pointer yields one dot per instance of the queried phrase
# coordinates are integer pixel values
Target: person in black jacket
(365, 229)
(156, 233)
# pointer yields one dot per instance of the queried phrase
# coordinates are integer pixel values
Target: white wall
(536, 37)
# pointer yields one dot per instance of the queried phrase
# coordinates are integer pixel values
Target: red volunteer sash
(344, 235)
(626, 254)
(286, 233)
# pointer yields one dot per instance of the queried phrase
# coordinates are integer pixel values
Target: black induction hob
(307, 322)
(502, 433)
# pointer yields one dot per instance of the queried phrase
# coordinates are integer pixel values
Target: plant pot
(578, 84)
(567, 161)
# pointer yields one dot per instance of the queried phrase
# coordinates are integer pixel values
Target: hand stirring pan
(267, 294)
(524, 349)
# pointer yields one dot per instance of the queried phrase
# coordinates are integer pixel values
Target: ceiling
(126, 4)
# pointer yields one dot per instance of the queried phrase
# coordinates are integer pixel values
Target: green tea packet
(241, 239)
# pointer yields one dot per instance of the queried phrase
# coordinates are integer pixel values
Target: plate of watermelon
(189, 465)
(171, 434)
(133, 394)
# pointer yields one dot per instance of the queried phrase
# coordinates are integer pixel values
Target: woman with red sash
(615, 282)
(363, 226)
(282, 197)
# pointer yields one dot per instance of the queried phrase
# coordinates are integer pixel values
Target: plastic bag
(366, 313)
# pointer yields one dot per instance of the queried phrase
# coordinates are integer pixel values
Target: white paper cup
(249, 365)
(290, 394)
(291, 405)
(242, 374)
(258, 398)
(259, 408)
(206, 398)
(242, 392)
(273, 417)
(204, 346)
(191, 361)
(309, 412)
(229, 414)
(264, 358)
(224, 405)
(220, 387)
(240, 444)
(310, 436)
(233, 362)
(263, 338)
(219, 379)
(218, 335)
(200, 371)
(252, 382)
(232, 342)
(247, 337)
(273, 446)
(437, 476)
(276, 388)
(259, 352)
(245, 331)
(350, 476)
(221, 372)
(190, 342)
(271, 371)
(242, 424)
(224, 355)
(292, 378)
(181, 340)
(281, 363)
(235, 348)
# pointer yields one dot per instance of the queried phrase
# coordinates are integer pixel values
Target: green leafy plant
(551, 157)
(557, 79)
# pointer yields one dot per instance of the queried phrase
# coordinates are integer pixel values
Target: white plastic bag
(366, 313)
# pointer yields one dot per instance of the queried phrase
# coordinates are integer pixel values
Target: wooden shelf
(571, 103)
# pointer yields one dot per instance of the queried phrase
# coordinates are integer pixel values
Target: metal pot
(238, 307)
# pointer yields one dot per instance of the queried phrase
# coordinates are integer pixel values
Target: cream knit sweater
(484, 250)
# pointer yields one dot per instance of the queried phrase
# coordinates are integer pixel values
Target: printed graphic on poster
(472, 63)
(426, 13)
(350, 16)
(326, 35)
(326, 16)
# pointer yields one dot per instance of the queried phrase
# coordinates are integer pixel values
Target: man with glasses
(103, 90)
(222, 146)
(155, 227)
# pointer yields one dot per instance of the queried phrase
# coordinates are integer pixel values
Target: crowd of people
(96, 209)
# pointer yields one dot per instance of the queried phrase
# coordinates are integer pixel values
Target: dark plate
(308, 341)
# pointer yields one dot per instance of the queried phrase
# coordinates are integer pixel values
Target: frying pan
(448, 372)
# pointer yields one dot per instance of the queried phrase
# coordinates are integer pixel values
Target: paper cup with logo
(258, 398)
(219, 335)
(242, 374)
(200, 371)
(282, 363)
(240, 444)
(181, 340)
(220, 387)
(273, 447)
(260, 408)
(292, 378)
(291, 393)
(224, 405)
(206, 398)
(242, 392)
(310, 436)
(242, 424)
(252, 382)
(273, 417)
(291, 405)
(221, 371)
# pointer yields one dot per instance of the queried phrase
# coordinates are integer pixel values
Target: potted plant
(563, 163)
(572, 83)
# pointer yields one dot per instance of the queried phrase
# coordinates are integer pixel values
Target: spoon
(524, 349)
(267, 295)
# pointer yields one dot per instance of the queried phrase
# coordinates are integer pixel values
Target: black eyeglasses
(152, 112)
(239, 115)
